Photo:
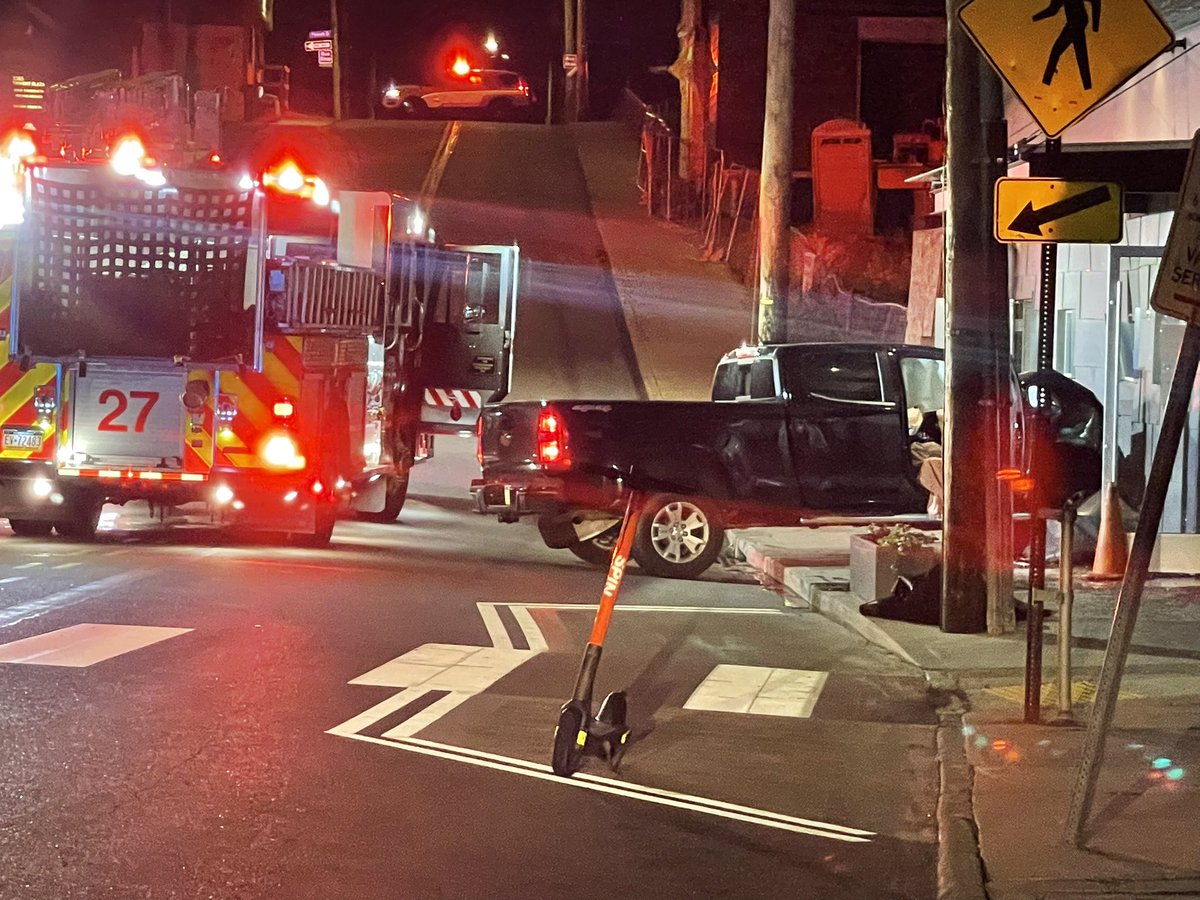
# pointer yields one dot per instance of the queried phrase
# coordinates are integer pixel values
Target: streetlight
(490, 44)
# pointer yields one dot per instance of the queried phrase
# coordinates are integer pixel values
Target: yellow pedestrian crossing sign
(1055, 211)
(1062, 57)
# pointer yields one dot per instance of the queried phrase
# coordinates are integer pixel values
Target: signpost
(1065, 212)
(1064, 58)
(1177, 294)
(570, 63)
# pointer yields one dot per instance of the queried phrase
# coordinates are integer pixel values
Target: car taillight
(523, 87)
(553, 450)
(479, 439)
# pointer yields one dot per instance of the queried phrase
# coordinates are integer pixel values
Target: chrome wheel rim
(679, 532)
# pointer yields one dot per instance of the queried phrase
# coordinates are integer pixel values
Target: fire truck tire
(397, 493)
(326, 517)
(30, 527)
(83, 518)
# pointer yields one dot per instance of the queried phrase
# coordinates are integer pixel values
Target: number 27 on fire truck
(263, 352)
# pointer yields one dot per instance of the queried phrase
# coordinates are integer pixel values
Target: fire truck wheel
(326, 517)
(30, 527)
(397, 493)
(83, 518)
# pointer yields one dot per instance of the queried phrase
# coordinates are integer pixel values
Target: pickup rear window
(745, 380)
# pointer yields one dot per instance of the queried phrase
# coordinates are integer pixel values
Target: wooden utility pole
(337, 59)
(570, 110)
(775, 183)
(976, 330)
(581, 54)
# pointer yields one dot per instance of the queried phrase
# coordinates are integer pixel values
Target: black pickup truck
(794, 434)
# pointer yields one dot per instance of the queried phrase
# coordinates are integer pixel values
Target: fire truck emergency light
(461, 67)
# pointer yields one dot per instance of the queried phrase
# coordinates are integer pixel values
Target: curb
(960, 866)
(960, 874)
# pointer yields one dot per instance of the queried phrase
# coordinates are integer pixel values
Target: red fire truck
(166, 340)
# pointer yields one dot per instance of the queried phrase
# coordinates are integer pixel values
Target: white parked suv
(497, 92)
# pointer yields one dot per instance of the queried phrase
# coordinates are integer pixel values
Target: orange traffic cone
(1112, 553)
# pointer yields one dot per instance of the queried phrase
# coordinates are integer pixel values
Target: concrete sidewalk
(683, 313)
(1015, 779)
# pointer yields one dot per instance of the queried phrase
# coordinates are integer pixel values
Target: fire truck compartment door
(126, 418)
(470, 317)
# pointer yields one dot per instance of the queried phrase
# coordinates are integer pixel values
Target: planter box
(873, 569)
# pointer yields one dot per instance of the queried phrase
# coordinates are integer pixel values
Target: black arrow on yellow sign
(1030, 220)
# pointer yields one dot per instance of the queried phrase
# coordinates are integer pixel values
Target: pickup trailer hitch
(607, 733)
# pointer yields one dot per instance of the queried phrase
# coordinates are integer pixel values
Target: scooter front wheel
(568, 745)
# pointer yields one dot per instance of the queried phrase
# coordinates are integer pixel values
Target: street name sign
(319, 35)
(318, 45)
(1061, 57)
(1050, 210)
(1177, 289)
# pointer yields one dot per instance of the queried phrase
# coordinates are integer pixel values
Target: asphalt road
(197, 733)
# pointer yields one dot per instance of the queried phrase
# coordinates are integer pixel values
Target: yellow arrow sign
(1049, 210)
(1062, 57)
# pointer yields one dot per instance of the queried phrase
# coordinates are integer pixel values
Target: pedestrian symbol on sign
(1074, 34)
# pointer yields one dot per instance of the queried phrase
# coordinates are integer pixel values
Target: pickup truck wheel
(30, 527)
(677, 537)
(597, 551)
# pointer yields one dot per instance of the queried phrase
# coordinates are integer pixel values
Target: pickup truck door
(465, 342)
(848, 437)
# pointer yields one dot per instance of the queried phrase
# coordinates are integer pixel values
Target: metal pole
(337, 59)
(1175, 417)
(1066, 601)
(775, 186)
(976, 324)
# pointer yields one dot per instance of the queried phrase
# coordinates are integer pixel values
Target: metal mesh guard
(121, 268)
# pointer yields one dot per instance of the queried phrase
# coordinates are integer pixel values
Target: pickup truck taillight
(553, 451)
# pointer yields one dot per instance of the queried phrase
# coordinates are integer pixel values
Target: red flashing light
(479, 440)
(1022, 485)
(318, 488)
(214, 158)
(553, 450)
(461, 67)
(1008, 474)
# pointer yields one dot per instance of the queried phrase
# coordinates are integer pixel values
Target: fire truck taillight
(553, 450)
(461, 67)
(280, 451)
(479, 439)
(44, 402)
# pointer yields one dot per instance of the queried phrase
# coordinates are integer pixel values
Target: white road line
(85, 644)
(29, 565)
(428, 715)
(529, 628)
(351, 727)
(688, 802)
(69, 565)
(659, 792)
(495, 628)
(11, 578)
(759, 690)
(69, 597)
